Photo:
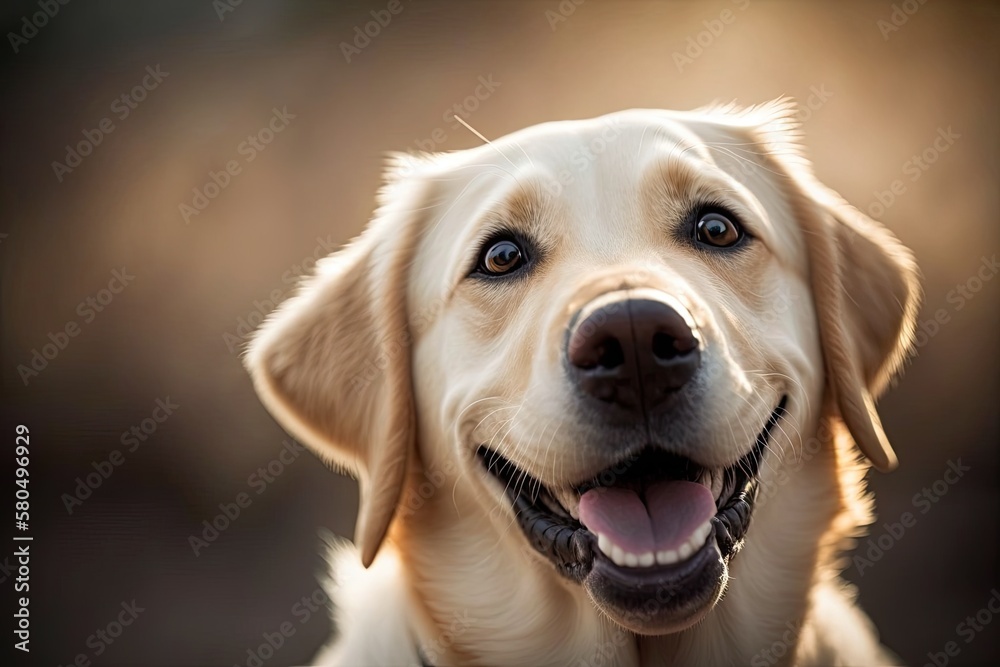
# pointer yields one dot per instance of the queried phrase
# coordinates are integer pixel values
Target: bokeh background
(878, 83)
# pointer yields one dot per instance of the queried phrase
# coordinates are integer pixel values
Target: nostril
(610, 354)
(666, 346)
(663, 346)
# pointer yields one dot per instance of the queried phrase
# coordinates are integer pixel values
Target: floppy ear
(332, 364)
(866, 291)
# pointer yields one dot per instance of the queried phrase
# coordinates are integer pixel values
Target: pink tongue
(672, 511)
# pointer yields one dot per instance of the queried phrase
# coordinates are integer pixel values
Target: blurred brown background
(874, 95)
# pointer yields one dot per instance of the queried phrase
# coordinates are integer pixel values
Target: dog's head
(610, 327)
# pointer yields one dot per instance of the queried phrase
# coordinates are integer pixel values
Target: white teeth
(617, 555)
(624, 558)
(604, 544)
(667, 557)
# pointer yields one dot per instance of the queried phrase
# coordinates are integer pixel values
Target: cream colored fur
(392, 365)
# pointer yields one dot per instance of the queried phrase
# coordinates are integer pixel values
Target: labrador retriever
(608, 389)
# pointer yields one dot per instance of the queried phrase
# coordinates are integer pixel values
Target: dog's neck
(485, 597)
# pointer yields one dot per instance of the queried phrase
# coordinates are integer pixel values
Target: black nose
(632, 352)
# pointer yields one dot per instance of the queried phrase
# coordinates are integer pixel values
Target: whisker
(485, 140)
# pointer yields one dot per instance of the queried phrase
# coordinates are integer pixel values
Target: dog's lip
(557, 532)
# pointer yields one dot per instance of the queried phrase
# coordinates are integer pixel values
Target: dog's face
(609, 329)
(614, 350)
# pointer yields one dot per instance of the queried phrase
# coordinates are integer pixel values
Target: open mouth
(653, 526)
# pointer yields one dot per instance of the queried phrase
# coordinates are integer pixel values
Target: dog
(608, 388)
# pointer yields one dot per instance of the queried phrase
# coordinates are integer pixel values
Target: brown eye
(715, 229)
(501, 257)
